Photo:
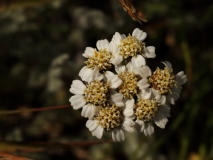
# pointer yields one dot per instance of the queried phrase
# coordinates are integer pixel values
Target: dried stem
(133, 13)
(33, 109)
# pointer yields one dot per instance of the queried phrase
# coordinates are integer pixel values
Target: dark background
(41, 42)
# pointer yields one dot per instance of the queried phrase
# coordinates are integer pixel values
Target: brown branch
(19, 111)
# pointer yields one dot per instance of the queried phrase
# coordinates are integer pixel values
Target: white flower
(148, 111)
(166, 85)
(100, 59)
(95, 94)
(133, 79)
(113, 119)
(132, 46)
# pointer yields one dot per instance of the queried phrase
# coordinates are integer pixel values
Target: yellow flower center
(145, 109)
(96, 93)
(110, 117)
(129, 87)
(163, 80)
(130, 46)
(100, 59)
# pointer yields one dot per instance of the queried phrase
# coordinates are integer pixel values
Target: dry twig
(133, 13)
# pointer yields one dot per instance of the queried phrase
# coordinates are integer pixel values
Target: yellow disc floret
(110, 117)
(101, 59)
(163, 80)
(145, 109)
(129, 87)
(96, 93)
(130, 46)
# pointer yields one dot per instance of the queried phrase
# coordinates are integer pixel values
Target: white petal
(118, 135)
(149, 52)
(113, 80)
(117, 38)
(160, 120)
(128, 128)
(116, 59)
(162, 99)
(102, 44)
(88, 111)
(92, 125)
(156, 94)
(139, 34)
(117, 99)
(77, 101)
(144, 71)
(82, 71)
(128, 109)
(140, 125)
(149, 129)
(138, 61)
(176, 89)
(128, 112)
(129, 67)
(128, 125)
(145, 93)
(119, 69)
(128, 122)
(181, 78)
(170, 99)
(86, 74)
(113, 48)
(77, 87)
(164, 110)
(89, 123)
(143, 83)
(168, 65)
(109, 75)
(175, 95)
(89, 52)
(130, 103)
(98, 132)
(96, 75)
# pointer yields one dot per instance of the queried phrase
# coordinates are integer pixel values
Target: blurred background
(41, 46)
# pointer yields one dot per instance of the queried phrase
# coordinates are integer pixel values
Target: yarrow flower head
(132, 47)
(95, 94)
(114, 119)
(97, 58)
(167, 85)
(133, 79)
(119, 93)
(148, 110)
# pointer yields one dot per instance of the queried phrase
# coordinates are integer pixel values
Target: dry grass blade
(133, 13)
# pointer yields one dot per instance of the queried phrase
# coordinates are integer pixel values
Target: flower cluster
(118, 92)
